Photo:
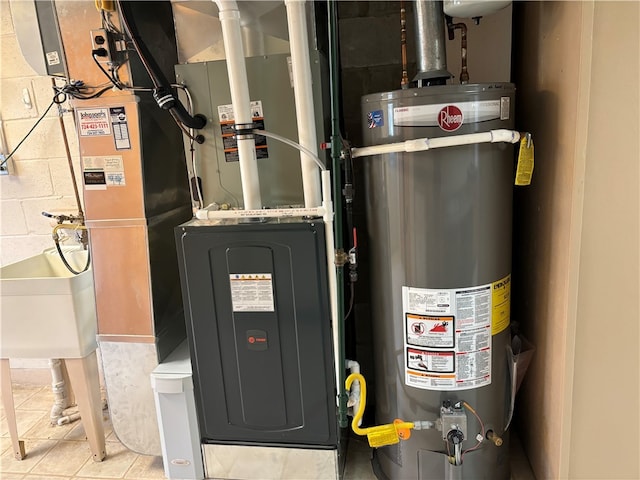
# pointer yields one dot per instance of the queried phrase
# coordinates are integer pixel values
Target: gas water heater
(440, 233)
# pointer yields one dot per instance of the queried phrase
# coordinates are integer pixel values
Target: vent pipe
(431, 53)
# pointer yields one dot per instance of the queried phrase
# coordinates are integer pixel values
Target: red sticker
(450, 118)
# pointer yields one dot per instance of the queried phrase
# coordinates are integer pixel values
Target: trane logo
(450, 118)
(92, 115)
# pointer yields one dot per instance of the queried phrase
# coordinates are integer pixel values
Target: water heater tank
(473, 8)
(439, 225)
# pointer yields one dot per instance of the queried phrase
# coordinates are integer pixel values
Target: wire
(111, 78)
(53, 102)
(471, 409)
(76, 89)
(351, 301)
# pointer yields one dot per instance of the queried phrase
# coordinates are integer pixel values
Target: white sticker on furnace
(251, 292)
(93, 122)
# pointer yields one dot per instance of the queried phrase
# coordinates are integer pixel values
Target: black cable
(53, 102)
(115, 82)
(162, 93)
(156, 76)
(77, 90)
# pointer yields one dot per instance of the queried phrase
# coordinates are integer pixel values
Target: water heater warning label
(447, 337)
(251, 292)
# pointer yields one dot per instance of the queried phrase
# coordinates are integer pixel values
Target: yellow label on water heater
(500, 304)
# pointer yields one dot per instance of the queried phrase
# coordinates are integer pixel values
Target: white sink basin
(45, 310)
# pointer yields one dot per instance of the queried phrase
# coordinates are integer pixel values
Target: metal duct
(431, 55)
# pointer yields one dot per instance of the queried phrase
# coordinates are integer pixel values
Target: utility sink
(45, 310)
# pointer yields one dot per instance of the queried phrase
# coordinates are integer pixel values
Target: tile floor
(62, 453)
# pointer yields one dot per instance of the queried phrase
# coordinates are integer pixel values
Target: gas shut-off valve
(452, 422)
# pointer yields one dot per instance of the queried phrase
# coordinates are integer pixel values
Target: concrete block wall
(41, 180)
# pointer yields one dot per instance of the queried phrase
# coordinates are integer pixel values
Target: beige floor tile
(41, 400)
(44, 430)
(44, 477)
(112, 437)
(11, 476)
(77, 431)
(5, 442)
(146, 467)
(36, 450)
(25, 420)
(21, 393)
(66, 458)
(119, 460)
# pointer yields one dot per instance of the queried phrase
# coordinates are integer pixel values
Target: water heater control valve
(453, 420)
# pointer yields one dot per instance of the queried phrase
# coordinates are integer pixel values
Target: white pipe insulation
(303, 94)
(234, 52)
(59, 390)
(421, 144)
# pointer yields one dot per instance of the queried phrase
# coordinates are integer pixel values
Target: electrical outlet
(6, 168)
(109, 47)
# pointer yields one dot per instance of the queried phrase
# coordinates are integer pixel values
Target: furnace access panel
(258, 319)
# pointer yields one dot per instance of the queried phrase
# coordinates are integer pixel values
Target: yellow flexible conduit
(378, 435)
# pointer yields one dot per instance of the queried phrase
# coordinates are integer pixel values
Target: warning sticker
(501, 305)
(448, 336)
(251, 292)
(447, 114)
(426, 361)
(229, 140)
(93, 121)
(430, 331)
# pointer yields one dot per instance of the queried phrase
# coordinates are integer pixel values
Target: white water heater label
(251, 292)
(453, 114)
(447, 337)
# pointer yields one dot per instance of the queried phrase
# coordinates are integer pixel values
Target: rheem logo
(450, 118)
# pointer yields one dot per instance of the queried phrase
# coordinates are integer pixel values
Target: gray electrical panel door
(258, 320)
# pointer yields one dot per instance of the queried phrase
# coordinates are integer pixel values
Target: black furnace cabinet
(256, 303)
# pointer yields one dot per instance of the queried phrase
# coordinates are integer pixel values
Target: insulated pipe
(354, 392)
(303, 94)
(59, 390)
(232, 37)
(421, 144)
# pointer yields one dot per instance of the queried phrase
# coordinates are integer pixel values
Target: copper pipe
(404, 83)
(69, 160)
